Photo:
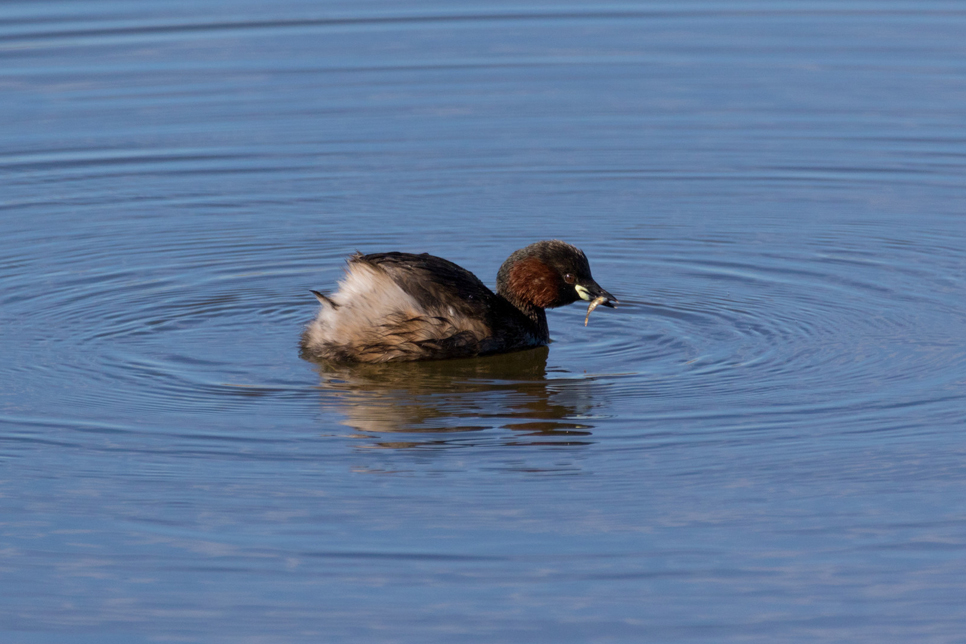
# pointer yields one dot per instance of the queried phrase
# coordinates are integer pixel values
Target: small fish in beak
(594, 303)
(593, 293)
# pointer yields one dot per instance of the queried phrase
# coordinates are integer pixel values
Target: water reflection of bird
(443, 400)
(395, 307)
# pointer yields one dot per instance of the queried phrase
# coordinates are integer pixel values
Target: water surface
(763, 443)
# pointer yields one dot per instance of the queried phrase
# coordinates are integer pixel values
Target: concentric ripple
(818, 329)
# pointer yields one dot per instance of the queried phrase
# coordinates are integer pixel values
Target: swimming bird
(401, 306)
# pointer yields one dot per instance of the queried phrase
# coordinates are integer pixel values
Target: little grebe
(400, 306)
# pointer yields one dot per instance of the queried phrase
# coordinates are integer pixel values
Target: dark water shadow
(445, 401)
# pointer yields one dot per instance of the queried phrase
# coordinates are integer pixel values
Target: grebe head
(548, 274)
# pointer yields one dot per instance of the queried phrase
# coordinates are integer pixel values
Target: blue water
(764, 443)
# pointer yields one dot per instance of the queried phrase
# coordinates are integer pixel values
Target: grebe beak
(590, 290)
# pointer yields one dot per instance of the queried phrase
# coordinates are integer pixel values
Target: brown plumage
(536, 282)
(400, 306)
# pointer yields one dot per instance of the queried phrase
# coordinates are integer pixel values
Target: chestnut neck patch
(533, 282)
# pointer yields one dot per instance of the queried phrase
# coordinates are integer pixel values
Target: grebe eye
(569, 278)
